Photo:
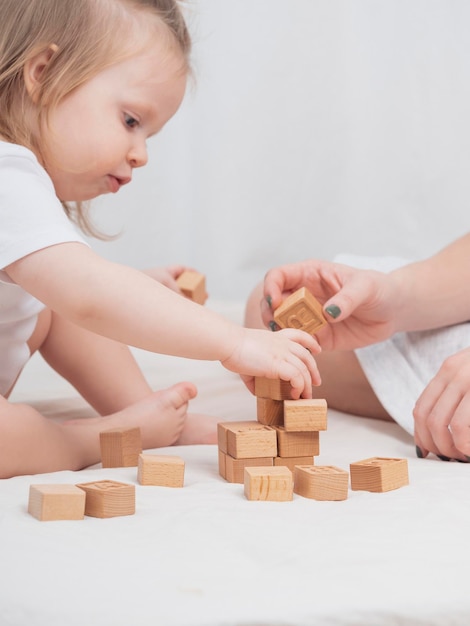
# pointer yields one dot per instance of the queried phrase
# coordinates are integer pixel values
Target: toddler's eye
(130, 121)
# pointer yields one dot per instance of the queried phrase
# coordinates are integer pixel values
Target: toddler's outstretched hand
(285, 355)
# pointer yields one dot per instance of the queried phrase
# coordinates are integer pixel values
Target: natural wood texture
(224, 427)
(248, 442)
(321, 482)
(379, 474)
(291, 444)
(235, 468)
(272, 388)
(108, 498)
(305, 415)
(300, 310)
(56, 502)
(162, 470)
(222, 464)
(291, 462)
(193, 286)
(268, 483)
(270, 412)
(120, 447)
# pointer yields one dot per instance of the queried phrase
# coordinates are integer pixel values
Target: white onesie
(31, 218)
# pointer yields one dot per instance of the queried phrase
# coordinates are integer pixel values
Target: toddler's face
(98, 133)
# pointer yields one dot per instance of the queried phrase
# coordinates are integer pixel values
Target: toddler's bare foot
(198, 429)
(160, 416)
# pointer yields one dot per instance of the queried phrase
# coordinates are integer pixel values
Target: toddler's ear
(34, 69)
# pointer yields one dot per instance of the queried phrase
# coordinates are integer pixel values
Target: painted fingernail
(269, 300)
(419, 452)
(442, 457)
(273, 326)
(333, 311)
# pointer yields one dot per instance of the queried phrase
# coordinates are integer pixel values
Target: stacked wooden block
(120, 447)
(285, 434)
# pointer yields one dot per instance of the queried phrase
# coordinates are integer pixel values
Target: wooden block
(222, 464)
(193, 286)
(249, 443)
(120, 447)
(300, 310)
(235, 468)
(224, 427)
(297, 443)
(321, 482)
(270, 412)
(272, 388)
(162, 470)
(379, 474)
(268, 483)
(291, 462)
(304, 415)
(56, 502)
(108, 498)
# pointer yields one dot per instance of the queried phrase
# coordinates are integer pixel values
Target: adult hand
(442, 412)
(358, 304)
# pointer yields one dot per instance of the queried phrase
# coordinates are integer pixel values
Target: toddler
(83, 85)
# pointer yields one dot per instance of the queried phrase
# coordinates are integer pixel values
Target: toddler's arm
(126, 305)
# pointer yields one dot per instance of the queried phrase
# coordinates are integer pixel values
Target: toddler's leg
(344, 384)
(106, 374)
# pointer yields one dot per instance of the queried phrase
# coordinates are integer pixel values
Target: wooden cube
(379, 474)
(224, 427)
(222, 464)
(272, 388)
(268, 483)
(108, 498)
(297, 443)
(304, 415)
(292, 461)
(270, 412)
(162, 470)
(193, 286)
(120, 447)
(321, 482)
(300, 310)
(56, 502)
(249, 443)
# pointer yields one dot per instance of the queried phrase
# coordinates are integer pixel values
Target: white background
(313, 127)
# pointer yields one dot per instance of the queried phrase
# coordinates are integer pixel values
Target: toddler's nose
(138, 155)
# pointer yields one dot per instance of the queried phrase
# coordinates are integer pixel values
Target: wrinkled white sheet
(205, 556)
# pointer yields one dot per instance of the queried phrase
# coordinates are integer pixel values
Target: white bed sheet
(205, 556)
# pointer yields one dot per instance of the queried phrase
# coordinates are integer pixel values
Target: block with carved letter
(108, 498)
(268, 483)
(300, 310)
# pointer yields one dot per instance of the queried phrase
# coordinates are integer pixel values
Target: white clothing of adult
(31, 218)
(400, 368)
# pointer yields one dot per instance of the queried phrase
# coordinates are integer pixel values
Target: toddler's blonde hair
(84, 37)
